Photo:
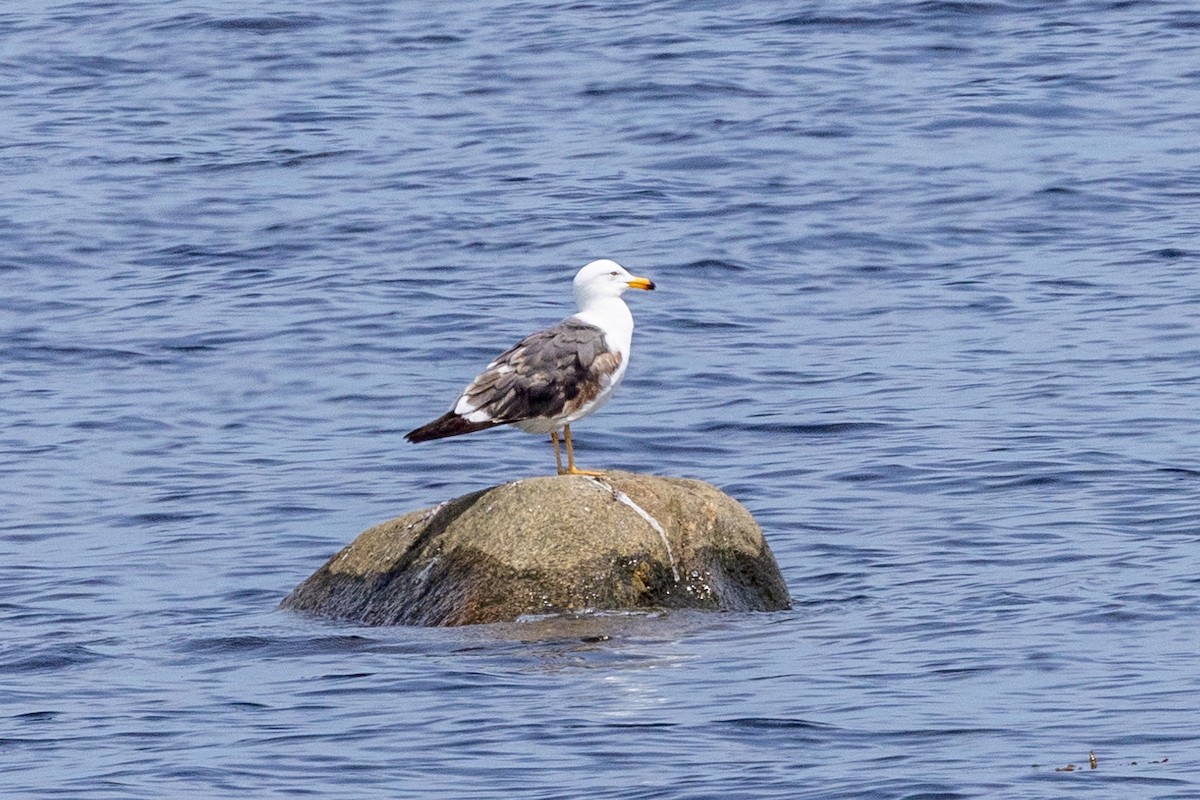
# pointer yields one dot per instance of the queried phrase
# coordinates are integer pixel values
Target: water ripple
(927, 307)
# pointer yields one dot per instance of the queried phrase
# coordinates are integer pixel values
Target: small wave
(48, 658)
(799, 429)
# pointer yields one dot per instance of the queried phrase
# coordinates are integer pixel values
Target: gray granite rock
(552, 544)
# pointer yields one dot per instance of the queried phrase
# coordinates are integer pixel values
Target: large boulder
(550, 545)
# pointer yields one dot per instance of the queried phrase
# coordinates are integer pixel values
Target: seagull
(556, 376)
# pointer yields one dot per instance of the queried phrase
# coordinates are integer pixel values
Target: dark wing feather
(448, 424)
(546, 374)
(543, 374)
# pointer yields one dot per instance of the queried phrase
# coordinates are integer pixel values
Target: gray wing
(547, 374)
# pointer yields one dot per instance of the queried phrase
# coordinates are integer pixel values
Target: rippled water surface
(928, 305)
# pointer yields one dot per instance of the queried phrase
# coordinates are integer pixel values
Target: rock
(552, 544)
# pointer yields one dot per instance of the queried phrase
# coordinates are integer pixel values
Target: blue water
(929, 305)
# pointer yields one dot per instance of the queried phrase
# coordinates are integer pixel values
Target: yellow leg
(557, 454)
(571, 468)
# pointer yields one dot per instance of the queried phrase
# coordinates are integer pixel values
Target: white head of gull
(556, 376)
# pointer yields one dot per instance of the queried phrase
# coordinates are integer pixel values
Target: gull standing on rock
(556, 376)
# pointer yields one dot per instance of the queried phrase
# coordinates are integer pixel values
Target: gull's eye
(614, 273)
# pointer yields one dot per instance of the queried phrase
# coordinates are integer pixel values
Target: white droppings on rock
(621, 497)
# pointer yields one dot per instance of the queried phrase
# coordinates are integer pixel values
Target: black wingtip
(449, 424)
